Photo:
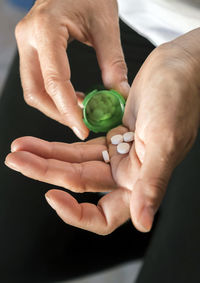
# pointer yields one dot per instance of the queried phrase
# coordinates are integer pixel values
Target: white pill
(123, 148)
(129, 137)
(105, 155)
(117, 139)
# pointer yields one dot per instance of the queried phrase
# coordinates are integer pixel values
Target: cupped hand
(163, 108)
(42, 38)
(79, 167)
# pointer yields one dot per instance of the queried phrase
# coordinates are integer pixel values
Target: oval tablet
(129, 136)
(123, 148)
(117, 139)
(106, 156)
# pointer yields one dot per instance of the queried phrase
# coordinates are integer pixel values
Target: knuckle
(181, 139)
(174, 141)
(19, 30)
(80, 169)
(171, 141)
(120, 64)
(41, 13)
(105, 232)
(120, 69)
(154, 191)
(78, 185)
(67, 115)
(51, 84)
(29, 98)
(108, 226)
(168, 142)
(41, 22)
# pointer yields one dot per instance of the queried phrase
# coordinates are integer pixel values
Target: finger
(77, 177)
(35, 94)
(99, 140)
(110, 57)
(56, 74)
(32, 82)
(111, 212)
(75, 152)
(150, 188)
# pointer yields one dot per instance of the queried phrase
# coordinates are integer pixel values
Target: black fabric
(35, 245)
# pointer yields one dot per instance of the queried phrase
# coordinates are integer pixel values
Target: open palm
(79, 167)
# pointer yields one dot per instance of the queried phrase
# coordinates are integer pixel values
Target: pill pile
(122, 143)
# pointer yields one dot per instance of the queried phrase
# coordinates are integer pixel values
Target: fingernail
(11, 166)
(78, 133)
(50, 202)
(12, 149)
(80, 104)
(125, 87)
(80, 93)
(146, 219)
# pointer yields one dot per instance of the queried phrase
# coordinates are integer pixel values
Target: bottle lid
(103, 110)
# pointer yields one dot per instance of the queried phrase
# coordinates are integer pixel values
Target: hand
(80, 168)
(163, 108)
(43, 36)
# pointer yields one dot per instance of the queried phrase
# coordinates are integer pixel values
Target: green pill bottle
(103, 110)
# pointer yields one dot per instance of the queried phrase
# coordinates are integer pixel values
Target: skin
(42, 38)
(163, 109)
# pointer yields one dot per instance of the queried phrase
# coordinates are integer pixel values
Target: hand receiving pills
(92, 166)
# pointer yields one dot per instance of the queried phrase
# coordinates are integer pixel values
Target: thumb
(150, 187)
(111, 60)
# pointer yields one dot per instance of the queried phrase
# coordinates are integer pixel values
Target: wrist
(188, 46)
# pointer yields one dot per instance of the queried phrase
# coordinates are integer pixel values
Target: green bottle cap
(103, 110)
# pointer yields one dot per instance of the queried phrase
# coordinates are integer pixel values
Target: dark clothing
(37, 246)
